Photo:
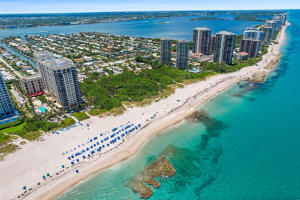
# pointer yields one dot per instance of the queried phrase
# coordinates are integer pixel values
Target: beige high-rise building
(60, 78)
(32, 84)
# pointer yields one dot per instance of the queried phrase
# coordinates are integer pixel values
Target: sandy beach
(53, 154)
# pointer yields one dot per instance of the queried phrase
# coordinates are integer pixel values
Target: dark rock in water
(153, 183)
(198, 116)
(142, 183)
(139, 187)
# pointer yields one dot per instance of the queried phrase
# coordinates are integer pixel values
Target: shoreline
(196, 95)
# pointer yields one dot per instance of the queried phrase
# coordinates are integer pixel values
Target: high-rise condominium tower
(165, 51)
(60, 78)
(7, 109)
(250, 46)
(201, 40)
(224, 47)
(182, 54)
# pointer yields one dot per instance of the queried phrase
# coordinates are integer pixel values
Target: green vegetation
(96, 111)
(66, 122)
(109, 92)
(13, 129)
(170, 89)
(223, 68)
(31, 129)
(42, 98)
(264, 49)
(80, 115)
(254, 16)
(237, 42)
(10, 124)
(239, 64)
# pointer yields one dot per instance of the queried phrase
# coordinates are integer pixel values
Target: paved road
(10, 67)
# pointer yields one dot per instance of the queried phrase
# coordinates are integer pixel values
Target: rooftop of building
(52, 60)
(251, 39)
(202, 29)
(183, 41)
(226, 33)
(267, 27)
(31, 77)
(165, 38)
(251, 30)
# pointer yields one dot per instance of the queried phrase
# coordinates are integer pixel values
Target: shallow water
(248, 149)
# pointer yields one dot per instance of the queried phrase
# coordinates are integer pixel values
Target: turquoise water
(42, 109)
(249, 148)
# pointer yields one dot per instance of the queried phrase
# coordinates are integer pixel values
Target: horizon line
(147, 11)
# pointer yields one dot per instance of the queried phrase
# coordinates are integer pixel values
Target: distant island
(207, 18)
(8, 21)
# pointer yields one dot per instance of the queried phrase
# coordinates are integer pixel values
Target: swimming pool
(42, 109)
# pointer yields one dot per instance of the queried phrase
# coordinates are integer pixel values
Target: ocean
(248, 146)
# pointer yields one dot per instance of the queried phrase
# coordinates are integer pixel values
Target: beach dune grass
(80, 116)
(4, 139)
(114, 112)
(7, 149)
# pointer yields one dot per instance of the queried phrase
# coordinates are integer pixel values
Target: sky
(63, 6)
